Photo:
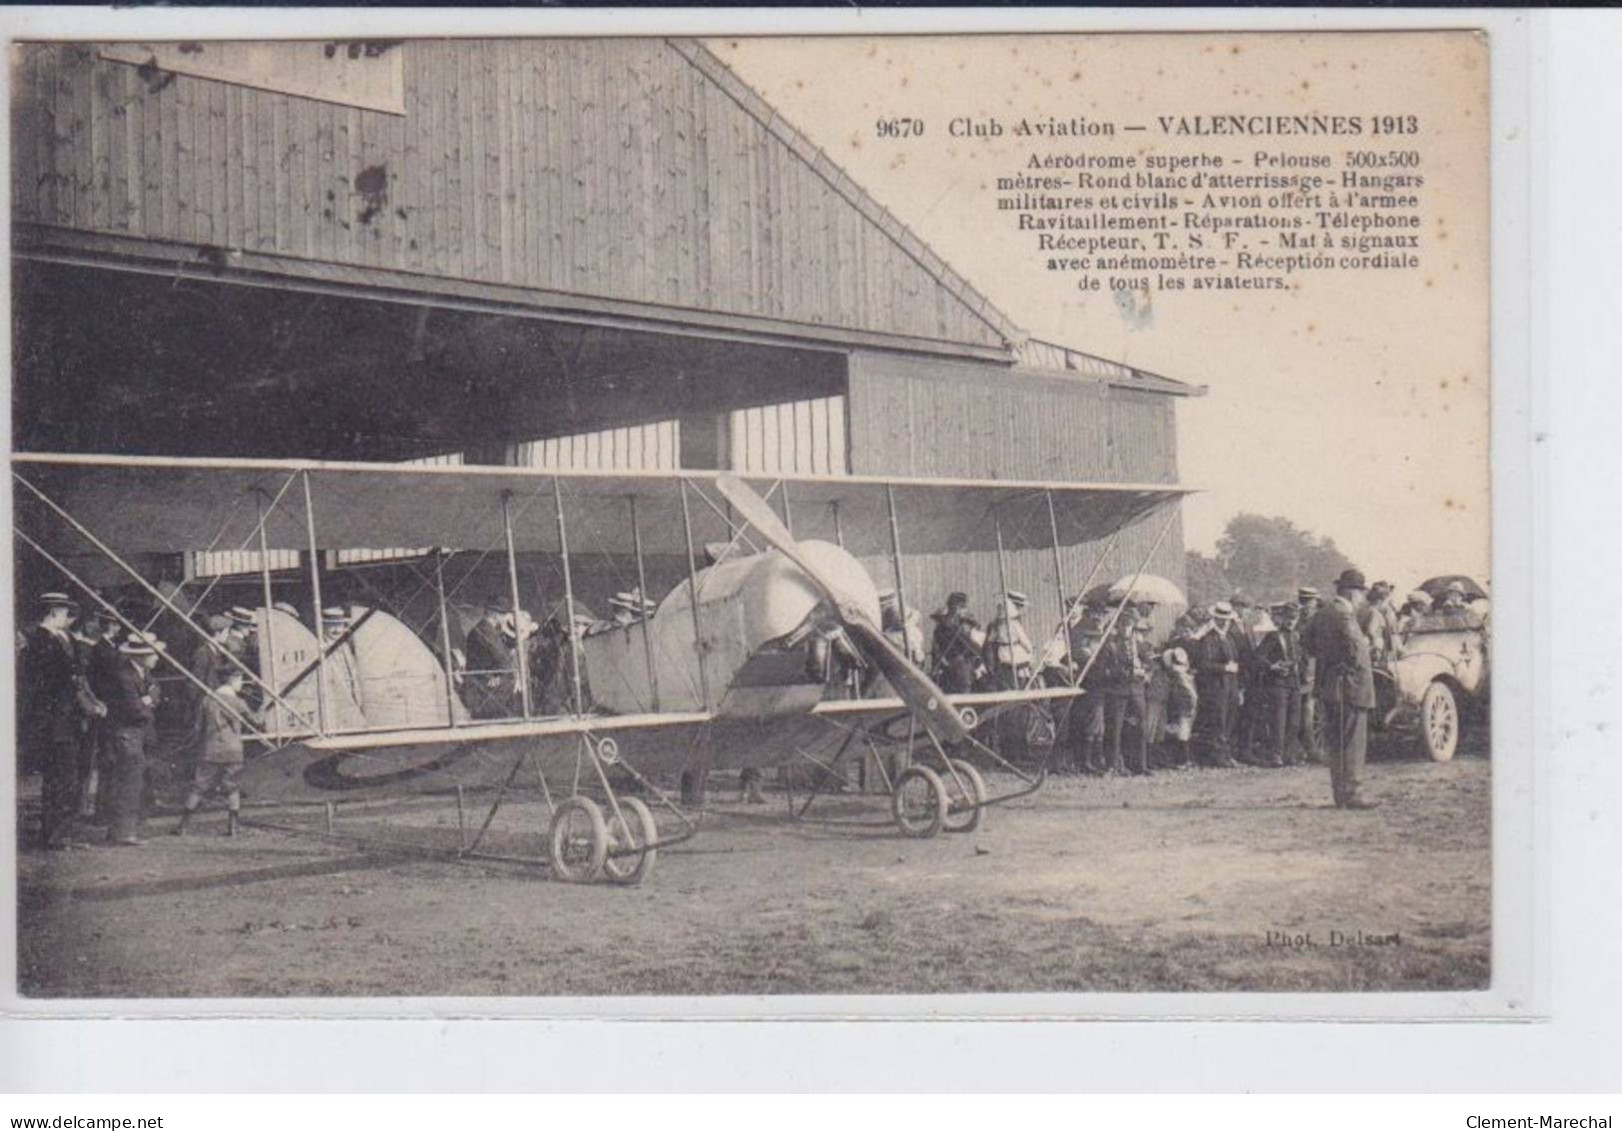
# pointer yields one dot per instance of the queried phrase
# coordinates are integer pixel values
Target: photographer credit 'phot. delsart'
(903, 515)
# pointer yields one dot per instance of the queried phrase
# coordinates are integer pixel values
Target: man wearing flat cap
(1345, 674)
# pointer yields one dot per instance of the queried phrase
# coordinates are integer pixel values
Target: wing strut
(1007, 605)
(568, 602)
(445, 635)
(642, 593)
(1109, 627)
(512, 585)
(895, 558)
(270, 619)
(315, 597)
(1058, 580)
(1064, 614)
(692, 584)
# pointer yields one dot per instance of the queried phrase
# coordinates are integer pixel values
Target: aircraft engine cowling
(777, 596)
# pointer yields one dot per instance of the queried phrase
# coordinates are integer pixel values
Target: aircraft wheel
(633, 829)
(577, 845)
(1439, 718)
(919, 802)
(964, 813)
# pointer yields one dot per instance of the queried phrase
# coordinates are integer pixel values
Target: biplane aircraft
(714, 678)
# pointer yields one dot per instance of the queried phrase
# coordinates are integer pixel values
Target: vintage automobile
(1439, 679)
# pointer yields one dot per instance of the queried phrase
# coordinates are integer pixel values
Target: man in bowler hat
(1345, 674)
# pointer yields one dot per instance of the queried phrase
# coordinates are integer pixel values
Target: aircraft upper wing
(162, 505)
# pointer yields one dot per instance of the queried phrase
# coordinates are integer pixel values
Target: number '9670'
(899, 127)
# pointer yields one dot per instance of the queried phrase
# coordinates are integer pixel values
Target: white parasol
(1148, 587)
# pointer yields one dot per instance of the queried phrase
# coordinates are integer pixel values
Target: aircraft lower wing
(378, 763)
(481, 755)
(979, 700)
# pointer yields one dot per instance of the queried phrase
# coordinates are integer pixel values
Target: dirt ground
(1169, 883)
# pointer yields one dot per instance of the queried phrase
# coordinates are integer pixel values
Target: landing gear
(631, 835)
(577, 845)
(920, 802)
(967, 791)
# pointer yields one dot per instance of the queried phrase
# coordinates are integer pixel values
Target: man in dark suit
(1278, 668)
(50, 713)
(100, 671)
(1084, 722)
(491, 677)
(1215, 653)
(1124, 661)
(955, 655)
(1246, 695)
(1345, 686)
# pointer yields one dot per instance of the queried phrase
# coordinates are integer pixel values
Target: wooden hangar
(593, 254)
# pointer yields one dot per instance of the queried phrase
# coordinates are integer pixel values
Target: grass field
(1186, 881)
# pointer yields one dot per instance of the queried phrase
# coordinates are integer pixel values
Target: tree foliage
(1207, 584)
(1268, 558)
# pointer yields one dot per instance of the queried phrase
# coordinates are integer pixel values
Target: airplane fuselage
(723, 660)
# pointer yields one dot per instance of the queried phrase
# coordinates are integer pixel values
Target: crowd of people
(90, 698)
(1235, 683)
(88, 709)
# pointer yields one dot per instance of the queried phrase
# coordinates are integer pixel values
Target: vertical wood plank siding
(916, 417)
(615, 168)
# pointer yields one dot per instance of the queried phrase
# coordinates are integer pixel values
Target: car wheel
(1439, 722)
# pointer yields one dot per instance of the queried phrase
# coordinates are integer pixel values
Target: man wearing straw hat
(1345, 686)
(628, 607)
(132, 703)
(1216, 666)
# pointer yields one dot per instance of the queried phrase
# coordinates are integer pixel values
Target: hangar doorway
(133, 362)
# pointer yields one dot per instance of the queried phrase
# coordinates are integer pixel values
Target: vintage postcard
(691, 517)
